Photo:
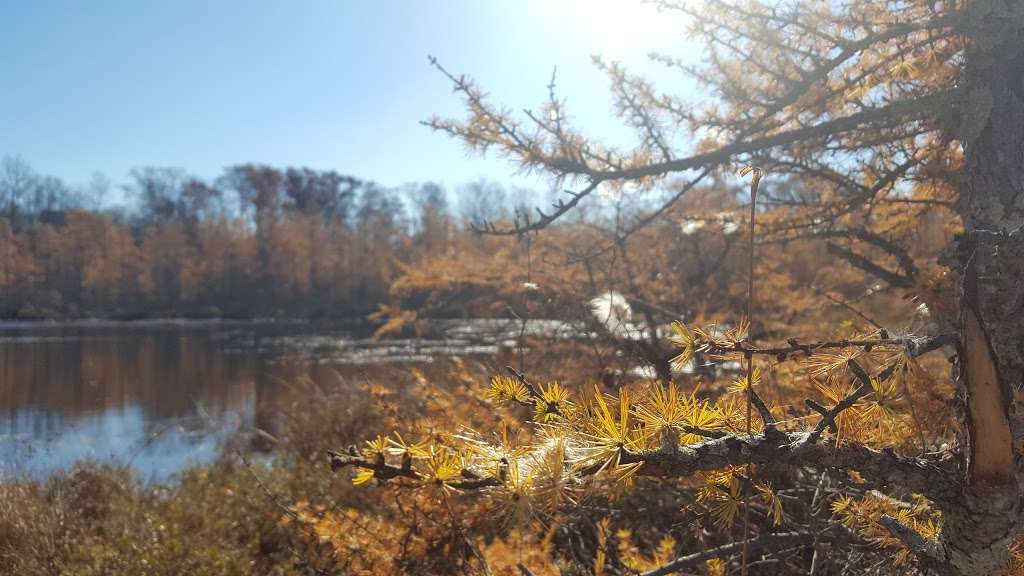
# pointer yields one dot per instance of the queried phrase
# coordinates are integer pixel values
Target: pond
(162, 395)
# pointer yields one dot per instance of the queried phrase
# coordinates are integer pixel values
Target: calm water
(162, 395)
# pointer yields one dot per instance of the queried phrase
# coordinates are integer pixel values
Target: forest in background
(260, 241)
(257, 241)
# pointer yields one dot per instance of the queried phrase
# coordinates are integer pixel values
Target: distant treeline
(257, 241)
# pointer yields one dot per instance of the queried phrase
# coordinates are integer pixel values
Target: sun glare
(616, 29)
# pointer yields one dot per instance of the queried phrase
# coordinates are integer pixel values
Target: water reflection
(161, 395)
(122, 435)
(155, 395)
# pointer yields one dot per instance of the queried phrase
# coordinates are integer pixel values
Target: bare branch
(523, 570)
(762, 410)
(897, 111)
(763, 542)
(928, 552)
(385, 471)
(828, 417)
(936, 479)
(893, 278)
(544, 219)
(916, 347)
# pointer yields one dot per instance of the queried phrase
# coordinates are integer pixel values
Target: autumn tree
(430, 219)
(158, 191)
(866, 118)
(16, 185)
(257, 241)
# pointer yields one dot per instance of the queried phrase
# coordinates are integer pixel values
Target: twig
(751, 395)
(916, 346)
(828, 416)
(534, 391)
(847, 305)
(783, 540)
(523, 570)
(928, 552)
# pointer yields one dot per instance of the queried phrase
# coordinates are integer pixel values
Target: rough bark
(977, 530)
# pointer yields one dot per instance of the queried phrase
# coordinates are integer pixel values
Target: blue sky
(105, 86)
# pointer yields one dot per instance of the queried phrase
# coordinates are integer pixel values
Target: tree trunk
(978, 530)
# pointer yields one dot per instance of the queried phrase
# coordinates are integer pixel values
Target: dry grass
(99, 519)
